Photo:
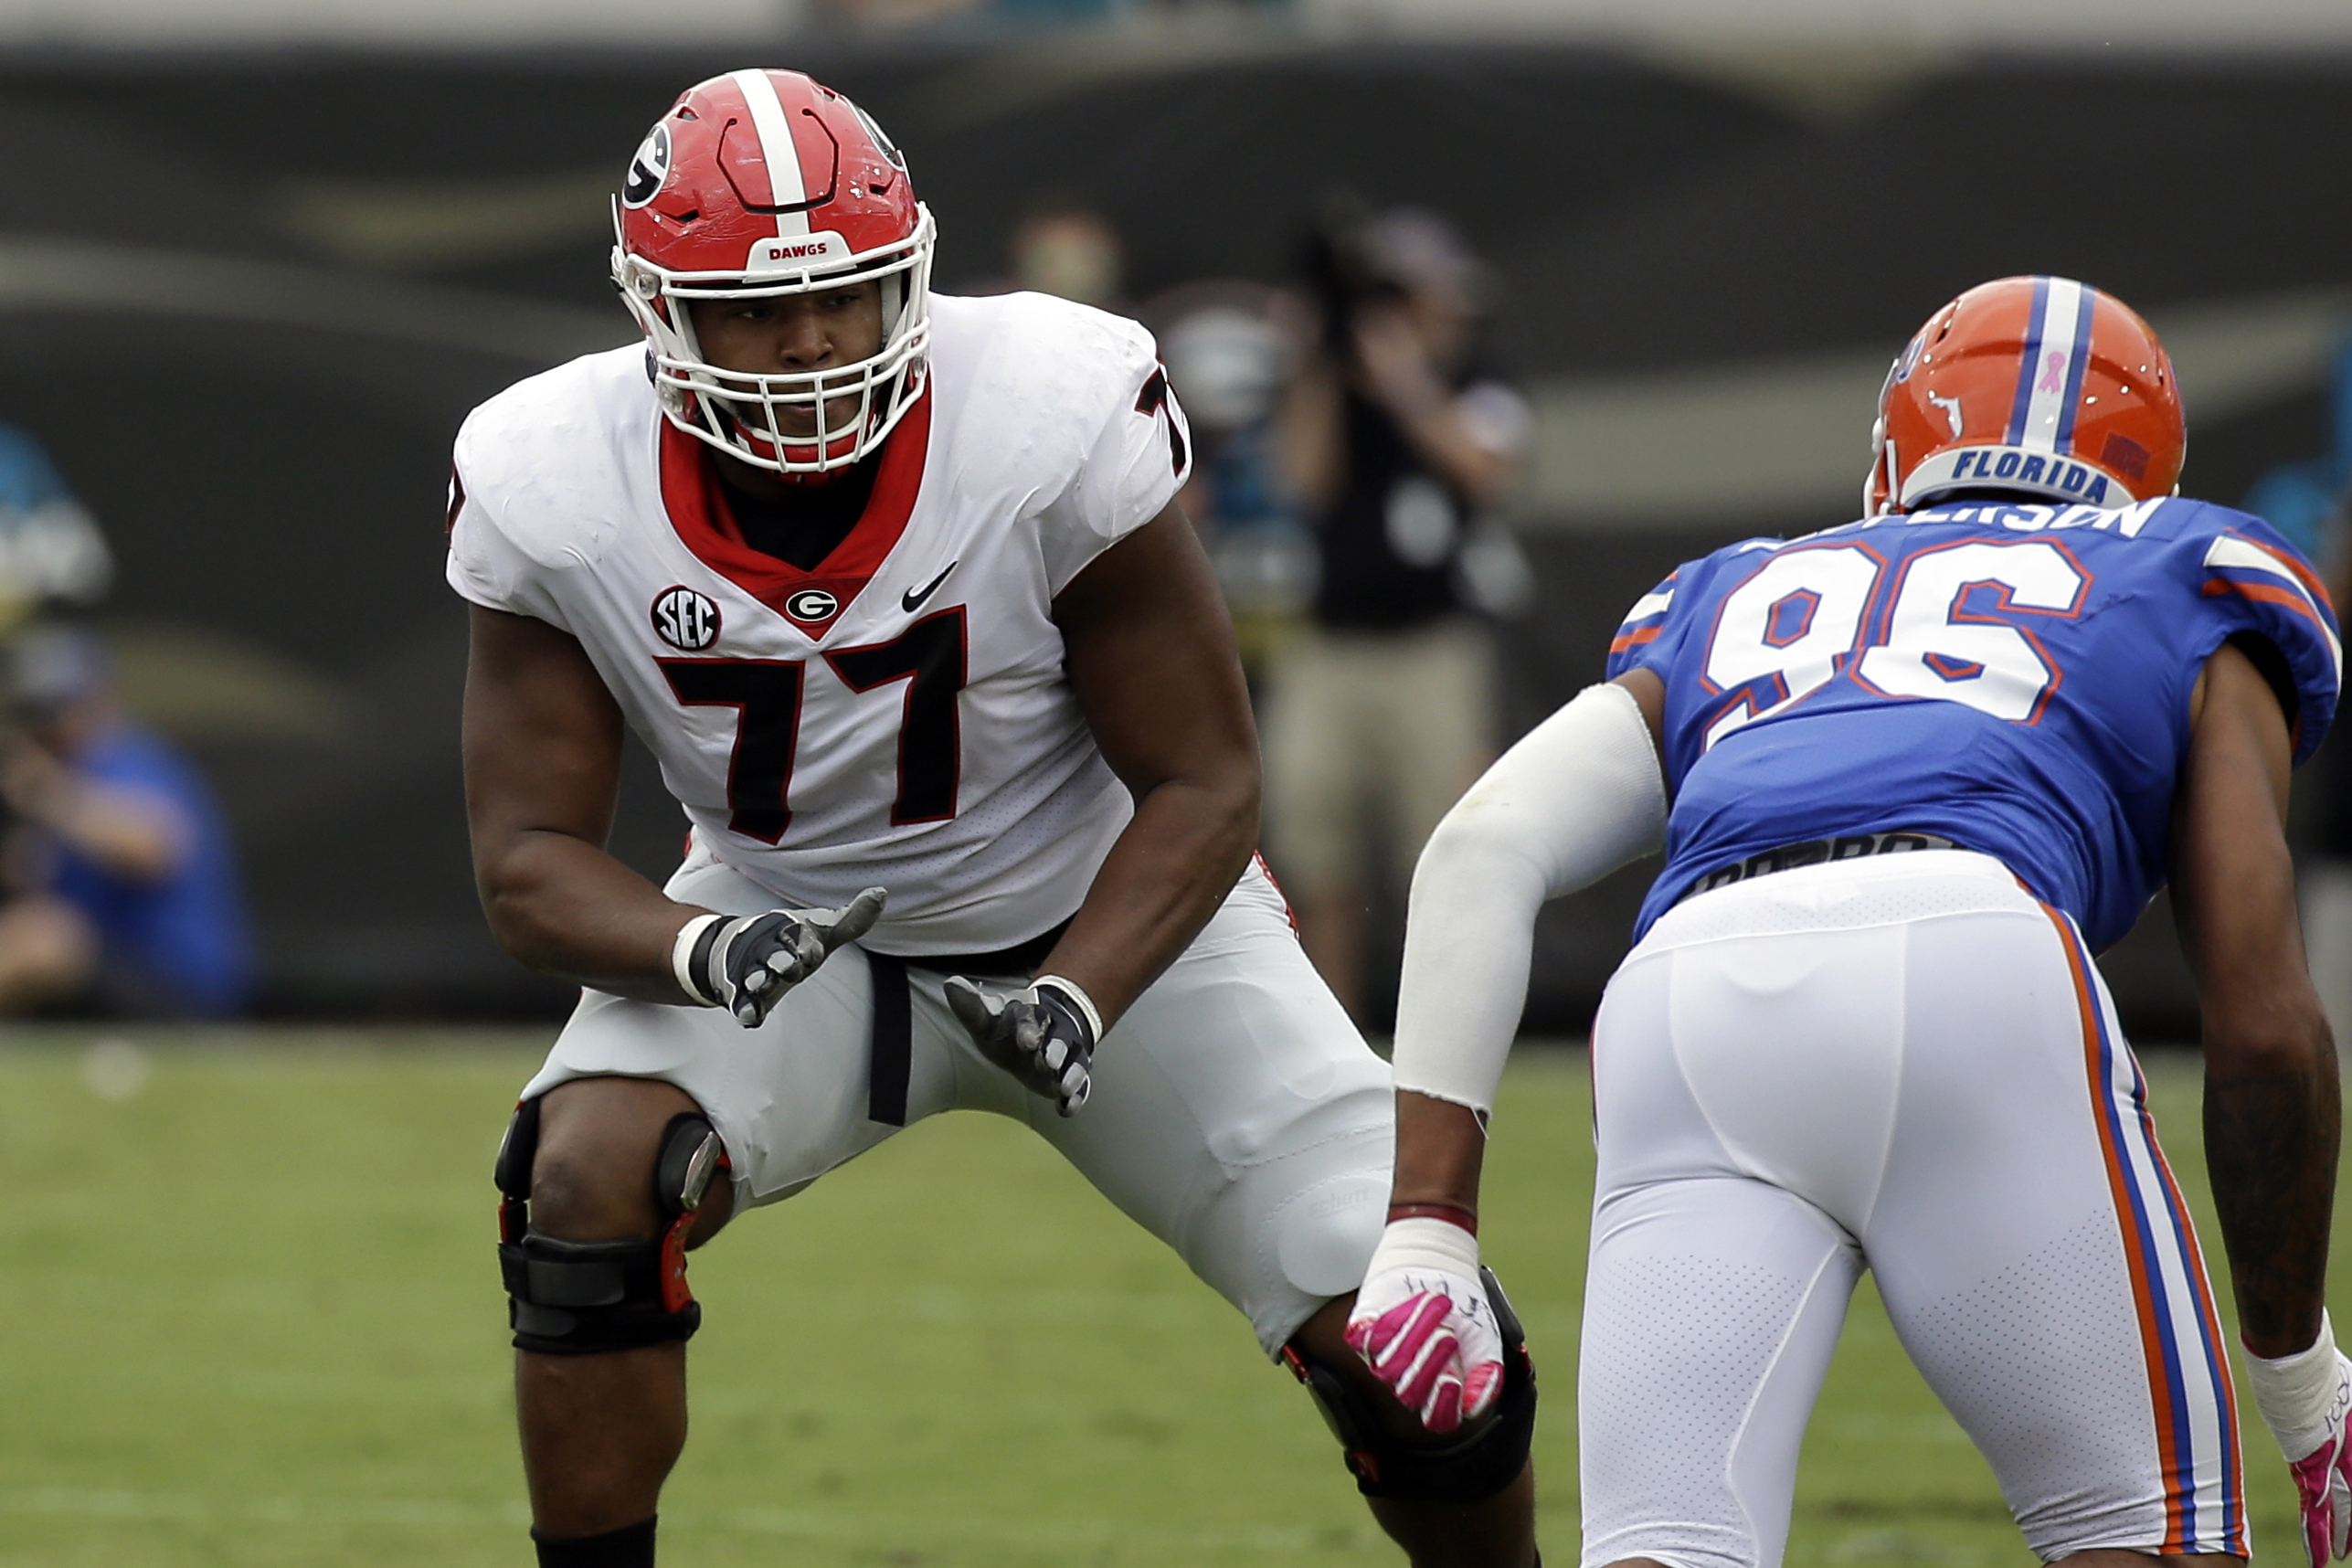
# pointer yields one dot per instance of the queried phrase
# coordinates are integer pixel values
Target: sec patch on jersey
(685, 620)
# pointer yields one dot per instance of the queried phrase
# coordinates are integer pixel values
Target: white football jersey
(899, 717)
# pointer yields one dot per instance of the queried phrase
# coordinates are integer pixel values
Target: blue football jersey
(2014, 678)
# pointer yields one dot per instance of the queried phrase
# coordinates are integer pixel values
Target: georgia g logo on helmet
(648, 168)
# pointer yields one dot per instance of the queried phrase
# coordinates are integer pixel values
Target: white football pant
(1905, 1064)
(1238, 1115)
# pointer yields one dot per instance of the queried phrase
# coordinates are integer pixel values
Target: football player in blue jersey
(1910, 773)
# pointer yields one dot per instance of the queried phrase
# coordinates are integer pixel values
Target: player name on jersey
(2020, 517)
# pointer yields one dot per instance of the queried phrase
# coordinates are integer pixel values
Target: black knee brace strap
(1472, 1468)
(576, 1298)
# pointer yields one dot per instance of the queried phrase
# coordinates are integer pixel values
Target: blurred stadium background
(265, 253)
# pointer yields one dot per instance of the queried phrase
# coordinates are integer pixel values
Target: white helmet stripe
(776, 148)
(2055, 369)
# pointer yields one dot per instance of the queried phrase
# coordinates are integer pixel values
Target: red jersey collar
(810, 600)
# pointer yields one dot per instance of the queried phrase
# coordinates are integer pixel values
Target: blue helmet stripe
(2028, 362)
(2075, 361)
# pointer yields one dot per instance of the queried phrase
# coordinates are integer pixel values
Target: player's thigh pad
(789, 1098)
(1743, 1081)
(1238, 1116)
(2036, 1255)
(1712, 1309)
(1915, 1049)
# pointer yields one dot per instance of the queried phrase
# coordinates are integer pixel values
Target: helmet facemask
(856, 404)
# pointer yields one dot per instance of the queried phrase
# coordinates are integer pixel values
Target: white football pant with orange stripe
(1905, 1064)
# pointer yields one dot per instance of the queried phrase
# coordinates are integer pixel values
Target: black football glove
(746, 963)
(1043, 1036)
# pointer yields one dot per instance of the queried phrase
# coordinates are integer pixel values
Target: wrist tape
(689, 957)
(1437, 1245)
(2300, 1395)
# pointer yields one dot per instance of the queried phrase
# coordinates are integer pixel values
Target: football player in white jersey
(896, 590)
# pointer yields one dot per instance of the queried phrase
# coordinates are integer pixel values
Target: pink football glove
(2306, 1400)
(1423, 1325)
(2322, 1483)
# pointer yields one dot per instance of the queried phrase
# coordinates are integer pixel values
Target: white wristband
(1078, 999)
(1438, 1244)
(682, 958)
(2299, 1395)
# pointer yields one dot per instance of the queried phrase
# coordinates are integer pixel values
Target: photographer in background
(1231, 347)
(1381, 712)
(119, 883)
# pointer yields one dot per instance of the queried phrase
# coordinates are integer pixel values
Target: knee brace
(576, 1299)
(1472, 1468)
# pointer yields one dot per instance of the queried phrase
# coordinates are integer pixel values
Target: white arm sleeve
(1573, 802)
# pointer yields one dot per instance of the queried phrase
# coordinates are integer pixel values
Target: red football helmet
(2043, 386)
(761, 183)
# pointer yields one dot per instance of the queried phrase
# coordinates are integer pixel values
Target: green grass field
(248, 1316)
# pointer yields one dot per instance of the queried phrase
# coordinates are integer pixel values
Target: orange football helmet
(2042, 386)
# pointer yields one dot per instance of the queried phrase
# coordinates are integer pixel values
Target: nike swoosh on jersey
(913, 599)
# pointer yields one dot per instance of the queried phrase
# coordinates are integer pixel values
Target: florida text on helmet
(2040, 387)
